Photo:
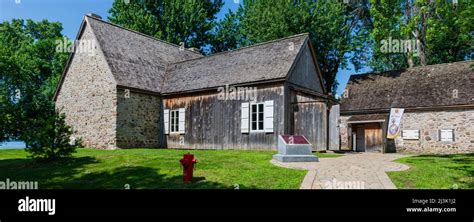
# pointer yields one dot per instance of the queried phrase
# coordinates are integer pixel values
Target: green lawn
(328, 155)
(151, 169)
(436, 172)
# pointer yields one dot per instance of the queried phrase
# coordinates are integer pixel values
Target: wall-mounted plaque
(411, 134)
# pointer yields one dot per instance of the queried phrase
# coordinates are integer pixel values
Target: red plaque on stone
(295, 139)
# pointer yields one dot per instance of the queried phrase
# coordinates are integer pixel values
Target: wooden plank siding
(304, 72)
(212, 123)
(300, 108)
(308, 117)
(306, 101)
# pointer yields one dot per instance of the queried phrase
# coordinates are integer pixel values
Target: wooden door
(360, 144)
(373, 138)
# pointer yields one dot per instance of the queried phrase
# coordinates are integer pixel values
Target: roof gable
(136, 60)
(305, 71)
(428, 86)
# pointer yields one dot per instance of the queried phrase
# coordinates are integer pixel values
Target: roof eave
(409, 109)
(282, 80)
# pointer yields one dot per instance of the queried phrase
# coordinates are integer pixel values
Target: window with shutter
(256, 117)
(174, 121)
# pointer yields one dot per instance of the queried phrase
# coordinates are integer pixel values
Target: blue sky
(70, 13)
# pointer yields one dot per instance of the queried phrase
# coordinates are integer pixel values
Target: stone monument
(293, 148)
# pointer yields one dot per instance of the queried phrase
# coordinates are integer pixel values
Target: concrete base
(295, 158)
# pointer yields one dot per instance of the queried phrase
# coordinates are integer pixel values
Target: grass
(436, 172)
(151, 169)
(328, 155)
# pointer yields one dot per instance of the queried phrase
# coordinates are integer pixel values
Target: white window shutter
(268, 116)
(182, 117)
(167, 121)
(244, 118)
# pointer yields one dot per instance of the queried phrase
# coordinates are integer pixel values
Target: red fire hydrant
(188, 162)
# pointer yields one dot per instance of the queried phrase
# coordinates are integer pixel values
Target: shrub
(50, 138)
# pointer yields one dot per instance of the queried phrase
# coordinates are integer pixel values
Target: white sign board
(411, 134)
(446, 135)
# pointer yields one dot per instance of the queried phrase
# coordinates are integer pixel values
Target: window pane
(172, 121)
(260, 117)
(260, 108)
(260, 125)
(177, 118)
(254, 125)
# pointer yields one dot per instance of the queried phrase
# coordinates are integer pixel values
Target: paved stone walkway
(351, 171)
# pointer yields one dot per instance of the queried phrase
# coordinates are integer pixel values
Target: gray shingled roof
(139, 61)
(266, 61)
(136, 60)
(428, 86)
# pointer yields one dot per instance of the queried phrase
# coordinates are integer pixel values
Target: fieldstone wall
(88, 97)
(429, 124)
(139, 121)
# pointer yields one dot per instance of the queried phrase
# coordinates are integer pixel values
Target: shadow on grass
(74, 173)
(140, 178)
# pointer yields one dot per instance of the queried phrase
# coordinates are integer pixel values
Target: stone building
(438, 102)
(136, 91)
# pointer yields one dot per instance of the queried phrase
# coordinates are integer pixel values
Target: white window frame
(441, 133)
(174, 121)
(262, 104)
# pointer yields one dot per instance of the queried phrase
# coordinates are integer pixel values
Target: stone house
(438, 102)
(136, 91)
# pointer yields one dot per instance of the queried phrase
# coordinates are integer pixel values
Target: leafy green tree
(450, 32)
(386, 16)
(442, 29)
(30, 68)
(177, 21)
(227, 34)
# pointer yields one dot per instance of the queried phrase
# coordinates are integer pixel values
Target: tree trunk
(410, 61)
(420, 41)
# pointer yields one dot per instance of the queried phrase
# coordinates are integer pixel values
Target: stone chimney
(93, 15)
